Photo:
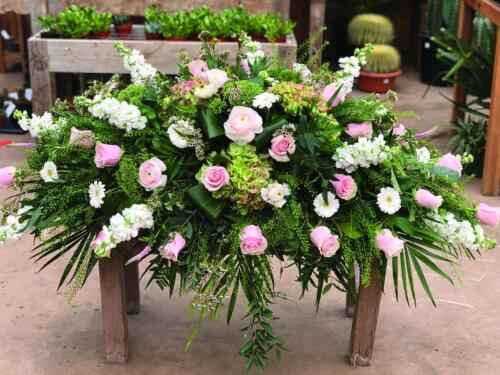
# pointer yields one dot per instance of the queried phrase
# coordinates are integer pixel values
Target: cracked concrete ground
(41, 334)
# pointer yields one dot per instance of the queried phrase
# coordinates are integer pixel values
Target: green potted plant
(123, 24)
(200, 20)
(257, 27)
(49, 26)
(381, 69)
(276, 29)
(152, 26)
(238, 21)
(101, 25)
(176, 27)
(370, 28)
(74, 22)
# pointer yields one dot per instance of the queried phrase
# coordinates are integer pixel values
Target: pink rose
(188, 85)
(197, 67)
(399, 130)
(323, 239)
(345, 186)
(452, 162)
(281, 146)
(252, 242)
(151, 174)
(425, 198)
(7, 176)
(488, 215)
(101, 237)
(329, 91)
(360, 130)
(173, 247)
(82, 138)
(242, 125)
(389, 244)
(216, 77)
(107, 155)
(214, 178)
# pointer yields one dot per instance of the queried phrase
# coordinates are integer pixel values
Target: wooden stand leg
(114, 316)
(349, 306)
(364, 323)
(132, 291)
(41, 78)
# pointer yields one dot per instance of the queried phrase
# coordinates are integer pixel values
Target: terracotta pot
(211, 39)
(377, 82)
(281, 39)
(176, 39)
(258, 38)
(153, 36)
(101, 35)
(125, 29)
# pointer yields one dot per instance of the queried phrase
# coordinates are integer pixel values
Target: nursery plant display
(224, 167)
(122, 24)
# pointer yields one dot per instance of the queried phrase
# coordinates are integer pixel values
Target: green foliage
(120, 19)
(101, 22)
(441, 13)
(383, 59)
(370, 28)
(75, 22)
(241, 93)
(133, 94)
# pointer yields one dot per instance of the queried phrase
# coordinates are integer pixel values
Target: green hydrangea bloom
(133, 94)
(241, 92)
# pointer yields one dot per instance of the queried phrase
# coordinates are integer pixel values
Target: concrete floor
(41, 334)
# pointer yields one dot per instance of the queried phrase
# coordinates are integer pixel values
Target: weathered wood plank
(364, 323)
(41, 79)
(132, 285)
(114, 312)
(316, 22)
(491, 172)
(17, 6)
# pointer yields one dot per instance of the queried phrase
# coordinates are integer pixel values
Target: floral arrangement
(227, 165)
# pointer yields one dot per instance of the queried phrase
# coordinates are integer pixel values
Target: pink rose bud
(214, 178)
(281, 147)
(389, 244)
(426, 199)
(488, 215)
(323, 239)
(197, 67)
(329, 91)
(399, 130)
(216, 77)
(451, 161)
(173, 247)
(425, 134)
(7, 176)
(144, 252)
(82, 138)
(107, 155)
(151, 174)
(252, 242)
(242, 125)
(360, 130)
(345, 186)
(101, 237)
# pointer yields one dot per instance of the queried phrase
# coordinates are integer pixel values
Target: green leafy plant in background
(176, 25)
(441, 13)
(383, 59)
(237, 18)
(75, 22)
(120, 19)
(152, 14)
(100, 22)
(370, 28)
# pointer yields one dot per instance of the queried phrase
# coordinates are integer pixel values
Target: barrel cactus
(370, 28)
(383, 59)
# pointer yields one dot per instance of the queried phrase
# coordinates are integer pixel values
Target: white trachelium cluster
(38, 125)
(140, 71)
(350, 67)
(423, 155)
(123, 227)
(364, 153)
(14, 229)
(254, 52)
(458, 233)
(120, 114)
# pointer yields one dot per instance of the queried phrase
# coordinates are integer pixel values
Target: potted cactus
(123, 25)
(370, 28)
(381, 69)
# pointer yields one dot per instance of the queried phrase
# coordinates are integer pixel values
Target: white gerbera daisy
(326, 208)
(97, 192)
(388, 200)
(265, 100)
(49, 172)
(423, 155)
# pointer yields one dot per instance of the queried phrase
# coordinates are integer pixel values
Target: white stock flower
(120, 114)
(265, 100)
(140, 71)
(49, 172)
(97, 192)
(275, 194)
(38, 125)
(423, 155)
(14, 229)
(326, 208)
(388, 200)
(364, 153)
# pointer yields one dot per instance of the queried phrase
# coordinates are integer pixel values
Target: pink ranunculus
(389, 244)
(82, 138)
(107, 155)
(345, 186)
(215, 178)
(329, 91)
(451, 161)
(282, 146)
(425, 198)
(188, 85)
(151, 174)
(325, 241)
(488, 215)
(7, 176)
(399, 130)
(252, 242)
(216, 77)
(197, 67)
(101, 237)
(360, 130)
(242, 125)
(173, 247)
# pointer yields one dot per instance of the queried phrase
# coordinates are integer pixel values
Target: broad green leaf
(263, 139)
(394, 181)
(204, 200)
(351, 229)
(445, 172)
(211, 124)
